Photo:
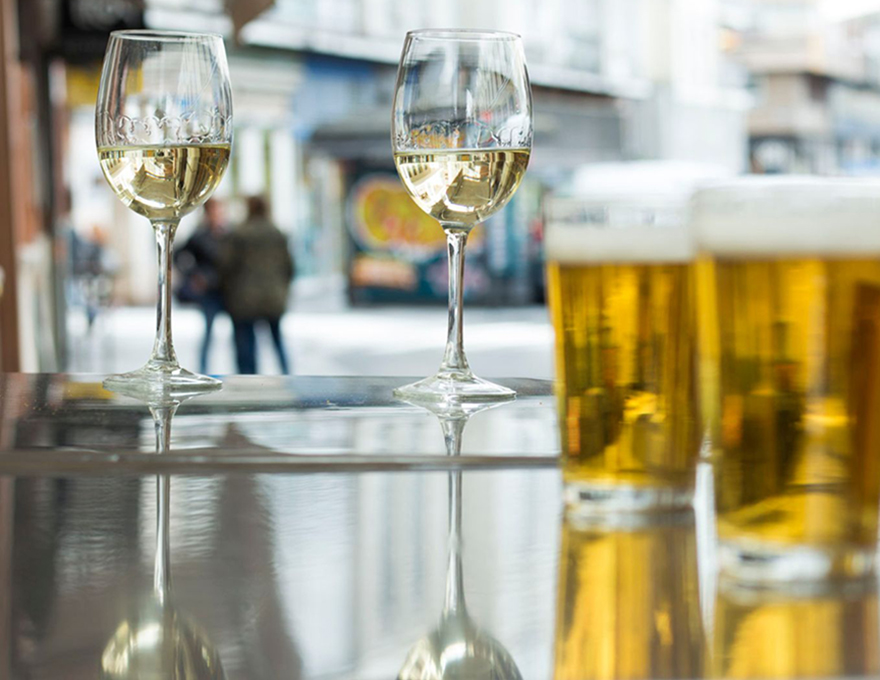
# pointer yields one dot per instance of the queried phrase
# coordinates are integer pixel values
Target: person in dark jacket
(255, 277)
(198, 262)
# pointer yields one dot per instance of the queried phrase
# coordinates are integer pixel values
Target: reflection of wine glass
(462, 135)
(457, 648)
(157, 642)
(628, 598)
(164, 128)
(796, 630)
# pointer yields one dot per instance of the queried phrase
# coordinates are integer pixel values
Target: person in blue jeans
(198, 262)
(255, 276)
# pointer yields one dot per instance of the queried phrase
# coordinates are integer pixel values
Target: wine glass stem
(455, 602)
(454, 359)
(163, 347)
(162, 569)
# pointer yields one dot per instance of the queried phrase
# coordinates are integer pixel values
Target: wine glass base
(450, 386)
(156, 379)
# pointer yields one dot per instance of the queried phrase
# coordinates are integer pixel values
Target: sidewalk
(406, 341)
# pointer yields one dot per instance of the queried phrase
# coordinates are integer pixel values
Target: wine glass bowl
(163, 127)
(159, 643)
(458, 650)
(462, 136)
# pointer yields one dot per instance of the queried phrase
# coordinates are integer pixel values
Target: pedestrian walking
(198, 262)
(256, 272)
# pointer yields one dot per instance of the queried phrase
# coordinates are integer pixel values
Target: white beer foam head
(788, 216)
(624, 238)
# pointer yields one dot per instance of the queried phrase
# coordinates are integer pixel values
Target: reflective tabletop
(72, 425)
(360, 573)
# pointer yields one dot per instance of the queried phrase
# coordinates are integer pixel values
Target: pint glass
(628, 603)
(823, 629)
(789, 287)
(620, 289)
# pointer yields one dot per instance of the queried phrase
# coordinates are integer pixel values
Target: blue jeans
(246, 345)
(212, 305)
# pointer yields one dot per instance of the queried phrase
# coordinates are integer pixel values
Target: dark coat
(255, 271)
(198, 262)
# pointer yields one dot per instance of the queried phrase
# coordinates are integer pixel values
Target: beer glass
(620, 289)
(628, 603)
(789, 285)
(817, 630)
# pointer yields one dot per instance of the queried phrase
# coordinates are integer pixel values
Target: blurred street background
(629, 95)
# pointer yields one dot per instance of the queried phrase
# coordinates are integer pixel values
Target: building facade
(313, 83)
(816, 88)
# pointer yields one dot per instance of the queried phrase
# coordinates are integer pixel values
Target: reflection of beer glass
(629, 600)
(621, 298)
(825, 632)
(790, 316)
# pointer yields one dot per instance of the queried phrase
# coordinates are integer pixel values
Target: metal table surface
(283, 565)
(70, 424)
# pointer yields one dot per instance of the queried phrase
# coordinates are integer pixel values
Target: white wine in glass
(462, 187)
(164, 183)
(462, 135)
(164, 132)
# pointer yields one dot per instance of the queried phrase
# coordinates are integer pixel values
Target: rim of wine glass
(462, 34)
(164, 36)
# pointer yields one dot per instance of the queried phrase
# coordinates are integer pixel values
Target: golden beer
(628, 603)
(791, 339)
(624, 320)
(762, 633)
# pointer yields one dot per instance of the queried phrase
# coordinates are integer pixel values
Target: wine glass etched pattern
(193, 127)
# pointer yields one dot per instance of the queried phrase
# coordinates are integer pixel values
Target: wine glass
(462, 135)
(164, 131)
(457, 647)
(156, 639)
